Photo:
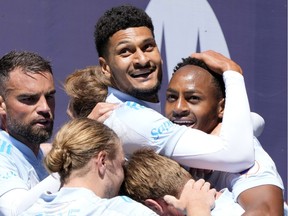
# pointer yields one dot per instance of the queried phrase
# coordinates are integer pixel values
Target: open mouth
(141, 75)
(186, 123)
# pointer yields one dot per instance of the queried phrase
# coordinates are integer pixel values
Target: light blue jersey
(82, 202)
(225, 205)
(19, 167)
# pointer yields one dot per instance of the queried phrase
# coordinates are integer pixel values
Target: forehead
(189, 73)
(29, 81)
(130, 35)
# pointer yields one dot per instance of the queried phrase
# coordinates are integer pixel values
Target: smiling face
(134, 63)
(191, 99)
(27, 109)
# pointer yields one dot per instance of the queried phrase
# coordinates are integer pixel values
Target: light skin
(196, 199)
(27, 110)
(194, 108)
(134, 63)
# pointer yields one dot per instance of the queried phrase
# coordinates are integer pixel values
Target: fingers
(171, 200)
(102, 111)
(217, 62)
(196, 198)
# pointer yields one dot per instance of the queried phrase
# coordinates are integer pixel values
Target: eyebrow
(150, 39)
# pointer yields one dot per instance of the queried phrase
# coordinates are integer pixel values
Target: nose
(141, 58)
(181, 108)
(43, 106)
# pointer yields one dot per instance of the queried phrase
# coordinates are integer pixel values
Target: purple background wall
(255, 31)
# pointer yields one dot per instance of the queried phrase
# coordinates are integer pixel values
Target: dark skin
(261, 200)
(193, 98)
(271, 202)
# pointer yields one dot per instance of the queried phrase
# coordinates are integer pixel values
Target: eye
(149, 47)
(194, 99)
(28, 99)
(125, 52)
(171, 98)
(50, 97)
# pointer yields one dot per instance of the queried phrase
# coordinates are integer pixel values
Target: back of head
(116, 19)
(86, 88)
(29, 62)
(76, 143)
(151, 176)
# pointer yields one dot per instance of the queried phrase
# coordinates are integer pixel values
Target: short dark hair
(218, 79)
(116, 19)
(28, 61)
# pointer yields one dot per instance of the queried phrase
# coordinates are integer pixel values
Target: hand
(102, 111)
(197, 198)
(217, 62)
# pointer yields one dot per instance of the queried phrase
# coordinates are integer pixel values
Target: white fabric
(19, 176)
(81, 201)
(139, 126)
(258, 124)
(263, 172)
(225, 205)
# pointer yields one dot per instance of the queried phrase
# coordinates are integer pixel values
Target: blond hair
(86, 87)
(76, 143)
(151, 176)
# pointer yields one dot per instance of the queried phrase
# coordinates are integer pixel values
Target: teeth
(187, 123)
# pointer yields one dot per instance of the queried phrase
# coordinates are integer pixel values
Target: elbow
(242, 164)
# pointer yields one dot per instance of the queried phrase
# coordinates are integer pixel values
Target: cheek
(19, 112)
(168, 110)
(52, 106)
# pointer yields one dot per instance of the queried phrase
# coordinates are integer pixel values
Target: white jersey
(19, 167)
(262, 173)
(139, 126)
(81, 201)
(225, 205)
(20, 174)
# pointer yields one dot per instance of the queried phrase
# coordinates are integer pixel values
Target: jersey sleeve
(232, 151)
(263, 172)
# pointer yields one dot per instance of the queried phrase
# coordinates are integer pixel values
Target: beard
(144, 94)
(33, 134)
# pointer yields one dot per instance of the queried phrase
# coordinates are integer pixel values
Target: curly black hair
(116, 19)
(218, 79)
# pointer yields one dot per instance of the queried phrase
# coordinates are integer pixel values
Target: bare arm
(262, 200)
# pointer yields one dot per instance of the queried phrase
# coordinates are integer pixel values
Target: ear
(154, 205)
(101, 162)
(2, 106)
(105, 67)
(221, 107)
(2, 113)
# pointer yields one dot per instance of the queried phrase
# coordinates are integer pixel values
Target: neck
(90, 181)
